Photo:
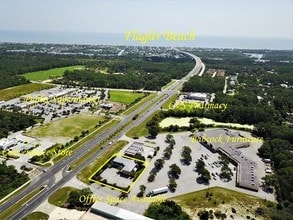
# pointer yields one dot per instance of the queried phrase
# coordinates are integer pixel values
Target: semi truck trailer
(158, 191)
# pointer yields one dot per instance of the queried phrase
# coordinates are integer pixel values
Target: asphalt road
(48, 178)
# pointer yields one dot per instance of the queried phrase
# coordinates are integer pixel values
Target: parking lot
(187, 179)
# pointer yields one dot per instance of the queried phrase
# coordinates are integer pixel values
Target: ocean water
(118, 39)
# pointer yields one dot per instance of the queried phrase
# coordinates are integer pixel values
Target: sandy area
(185, 122)
(175, 121)
(62, 213)
(210, 121)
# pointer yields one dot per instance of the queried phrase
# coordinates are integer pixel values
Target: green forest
(129, 74)
(10, 179)
(10, 121)
(204, 84)
(12, 65)
(271, 114)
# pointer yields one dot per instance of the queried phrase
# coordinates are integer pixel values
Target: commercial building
(134, 149)
(197, 96)
(126, 165)
(8, 143)
(112, 212)
(228, 142)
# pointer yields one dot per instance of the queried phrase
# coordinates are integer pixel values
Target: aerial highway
(47, 178)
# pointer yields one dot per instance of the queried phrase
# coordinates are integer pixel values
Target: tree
(205, 175)
(174, 171)
(172, 185)
(200, 165)
(73, 199)
(170, 140)
(186, 155)
(142, 187)
(142, 190)
(202, 171)
(203, 214)
(103, 94)
(153, 131)
(151, 178)
(10, 179)
(76, 138)
(166, 210)
(159, 164)
(123, 195)
(269, 182)
(167, 153)
(226, 172)
(10, 121)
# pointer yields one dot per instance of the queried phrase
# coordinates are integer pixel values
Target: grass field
(67, 128)
(36, 215)
(97, 163)
(125, 97)
(16, 91)
(47, 74)
(59, 197)
(89, 137)
(222, 199)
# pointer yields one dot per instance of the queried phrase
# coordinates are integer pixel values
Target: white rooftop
(106, 210)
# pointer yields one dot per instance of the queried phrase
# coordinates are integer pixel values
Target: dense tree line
(204, 84)
(166, 210)
(132, 74)
(10, 121)
(14, 64)
(10, 179)
(280, 152)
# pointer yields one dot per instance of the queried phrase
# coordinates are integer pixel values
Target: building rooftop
(228, 142)
(223, 137)
(128, 164)
(246, 175)
(134, 149)
(6, 143)
(113, 212)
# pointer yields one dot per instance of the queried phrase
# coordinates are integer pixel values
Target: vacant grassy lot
(218, 198)
(97, 163)
(48, 74)
(59, 197)
(67, 128)
(16, 91)
(125, 97)
(36, 215)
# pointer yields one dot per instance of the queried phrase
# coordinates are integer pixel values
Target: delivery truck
(158, 191)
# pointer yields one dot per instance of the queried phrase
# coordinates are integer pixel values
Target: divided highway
(48, 178)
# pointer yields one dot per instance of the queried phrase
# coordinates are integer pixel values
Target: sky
(233, 18)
